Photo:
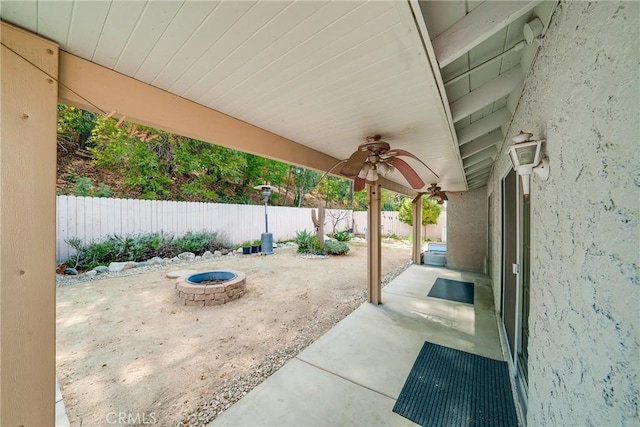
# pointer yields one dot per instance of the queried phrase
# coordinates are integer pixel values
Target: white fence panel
(92, 219)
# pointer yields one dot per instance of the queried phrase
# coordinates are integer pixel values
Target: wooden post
(28, 96)
(374, 276)
(417, 229)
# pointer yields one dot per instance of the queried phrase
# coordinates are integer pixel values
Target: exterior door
(509, 258)
(525, 273)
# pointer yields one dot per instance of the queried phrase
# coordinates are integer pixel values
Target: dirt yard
(125, 348)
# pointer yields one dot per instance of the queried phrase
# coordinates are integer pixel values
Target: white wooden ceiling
(482, 87)
(323, 74)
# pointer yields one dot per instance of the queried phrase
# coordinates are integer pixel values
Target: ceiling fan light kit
(435, 193)
(525, 155)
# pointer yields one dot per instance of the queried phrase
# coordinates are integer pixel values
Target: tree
(74, 125)
(430, 211)
(389, 201)
(337, 215)
(304, 180)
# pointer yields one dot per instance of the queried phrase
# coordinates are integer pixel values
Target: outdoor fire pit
(210, 287)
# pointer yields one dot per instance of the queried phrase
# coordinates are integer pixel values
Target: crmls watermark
(131, 418)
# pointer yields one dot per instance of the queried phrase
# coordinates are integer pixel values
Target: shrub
(307, 243)
(200, 242)
(82, 187)
(342, 236)
(336, 248)
(102, 190)
(393, 236)
(192, 242)
(141, 247)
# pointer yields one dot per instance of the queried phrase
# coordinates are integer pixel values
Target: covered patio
(306, 82)
(355, 372)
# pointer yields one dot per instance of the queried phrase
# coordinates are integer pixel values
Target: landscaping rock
(225, 251)
(207, 255)
(71, 271)
(119, 266)
(141, 264)
(217, 254)
(180, 273)
(155, 260)
(198, 258)
(175, 260)
(101, 269)
(187, 256)
(90, 273)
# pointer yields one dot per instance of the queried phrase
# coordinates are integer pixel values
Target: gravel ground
(239, 386)
(119, 323)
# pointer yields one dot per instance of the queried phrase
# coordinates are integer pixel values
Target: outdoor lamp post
(266, 238)
(525, 157)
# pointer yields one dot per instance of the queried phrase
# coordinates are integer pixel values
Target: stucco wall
(467, 231)
(583, 97)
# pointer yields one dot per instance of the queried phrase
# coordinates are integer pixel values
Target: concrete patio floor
(354, 373)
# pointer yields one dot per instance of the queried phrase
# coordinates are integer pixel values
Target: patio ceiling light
(525, 157)
(372, 170)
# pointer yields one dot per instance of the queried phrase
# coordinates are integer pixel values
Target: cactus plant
(318, 221)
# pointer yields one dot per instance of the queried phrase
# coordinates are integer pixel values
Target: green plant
(430, 211)
(342, 236)
(76, 244)
(142, 247)
(245, 244)
(102, 190)
(336, 248)
(256, 242)
(393, 236)
(307, 243)
(82, 187)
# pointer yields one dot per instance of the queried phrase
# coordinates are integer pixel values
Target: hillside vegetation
(101, 157)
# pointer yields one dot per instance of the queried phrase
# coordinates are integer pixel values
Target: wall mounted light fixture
(526, 158)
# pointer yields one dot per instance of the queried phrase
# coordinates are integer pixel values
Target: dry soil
(124, 346)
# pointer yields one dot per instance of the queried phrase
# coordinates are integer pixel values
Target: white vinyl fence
(93, 219)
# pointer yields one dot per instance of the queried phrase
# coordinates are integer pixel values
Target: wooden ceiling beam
(476, 27)
(484, 125)
(489, 92)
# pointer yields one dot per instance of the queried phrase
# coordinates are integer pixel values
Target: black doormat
(452, 290)
(448, 387)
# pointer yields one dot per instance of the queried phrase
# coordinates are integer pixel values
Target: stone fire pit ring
(194, 289)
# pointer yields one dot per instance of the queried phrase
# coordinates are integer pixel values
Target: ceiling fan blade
(408, 154)
(355, 163)
(410, 175)
(358, 184)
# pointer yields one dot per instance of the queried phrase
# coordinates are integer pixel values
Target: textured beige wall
(583, 97)
(467, 231)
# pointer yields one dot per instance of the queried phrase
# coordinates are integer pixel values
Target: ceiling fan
(436, 193)
(375, 158)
